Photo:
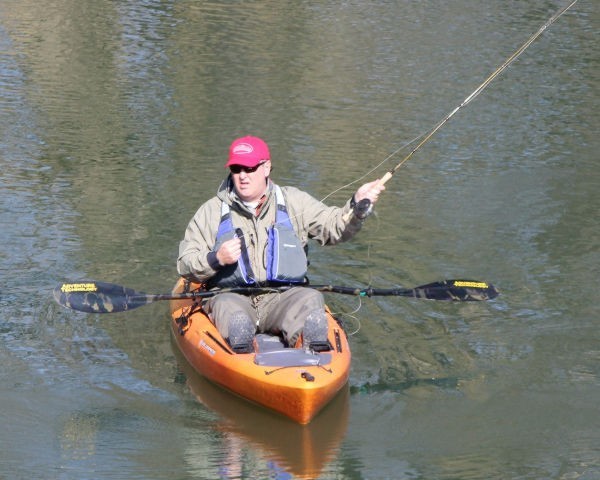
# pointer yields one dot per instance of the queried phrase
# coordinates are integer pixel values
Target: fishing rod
(474, 94)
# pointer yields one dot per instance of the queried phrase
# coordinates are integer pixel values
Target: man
(255, 233)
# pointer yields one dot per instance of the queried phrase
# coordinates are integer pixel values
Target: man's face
(250, 182)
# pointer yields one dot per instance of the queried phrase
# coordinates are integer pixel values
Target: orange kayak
(292, 381)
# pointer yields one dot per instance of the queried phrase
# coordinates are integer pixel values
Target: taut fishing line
(427, 135)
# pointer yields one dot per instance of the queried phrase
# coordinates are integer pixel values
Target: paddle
(101, 297)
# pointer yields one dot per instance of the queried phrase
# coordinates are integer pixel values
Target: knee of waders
(241, 333)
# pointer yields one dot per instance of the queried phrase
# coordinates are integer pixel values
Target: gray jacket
(310, 218)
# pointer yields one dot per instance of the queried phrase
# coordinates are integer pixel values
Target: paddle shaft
(101, 297)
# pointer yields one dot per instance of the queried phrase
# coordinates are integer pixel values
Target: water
(115, 118)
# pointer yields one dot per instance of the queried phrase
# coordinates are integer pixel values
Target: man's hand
(370, 191)
(230, 251)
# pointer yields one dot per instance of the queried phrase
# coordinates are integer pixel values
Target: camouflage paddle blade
(457, 290)
(99, 297)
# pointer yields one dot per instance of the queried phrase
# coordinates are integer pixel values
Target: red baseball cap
(248, 152)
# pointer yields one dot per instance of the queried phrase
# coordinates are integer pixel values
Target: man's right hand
(230, 251)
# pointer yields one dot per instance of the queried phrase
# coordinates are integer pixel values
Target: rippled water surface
(115, 119)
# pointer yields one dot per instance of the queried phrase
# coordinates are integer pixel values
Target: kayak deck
(295, 382)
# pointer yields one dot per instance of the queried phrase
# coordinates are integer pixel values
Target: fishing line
(426, 136)
(385, 160)
(346, 315)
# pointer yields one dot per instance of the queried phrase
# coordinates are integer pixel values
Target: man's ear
(267, 168)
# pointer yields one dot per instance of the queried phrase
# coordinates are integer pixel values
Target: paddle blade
(99, 297)
(457, 290)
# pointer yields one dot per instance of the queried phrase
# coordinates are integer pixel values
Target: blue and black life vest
(286, 257)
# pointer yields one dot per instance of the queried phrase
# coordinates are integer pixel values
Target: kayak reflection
(300, 450)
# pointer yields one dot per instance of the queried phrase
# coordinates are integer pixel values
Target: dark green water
(115, 119)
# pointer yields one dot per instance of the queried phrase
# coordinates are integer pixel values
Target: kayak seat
(291, 357)
(272, 352)
(267, 343)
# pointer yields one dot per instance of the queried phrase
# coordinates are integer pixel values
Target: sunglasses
(239, 168)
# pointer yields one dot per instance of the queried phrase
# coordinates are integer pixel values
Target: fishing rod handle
(383, 180)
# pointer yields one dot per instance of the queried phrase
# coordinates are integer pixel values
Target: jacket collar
(226, 193)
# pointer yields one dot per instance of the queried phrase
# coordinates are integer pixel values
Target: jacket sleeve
(327, 225)
(196, 260)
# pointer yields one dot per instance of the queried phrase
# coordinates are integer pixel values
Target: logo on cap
(243, 148)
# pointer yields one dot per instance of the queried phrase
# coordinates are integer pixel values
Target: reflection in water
(78, 439)
(244, 431)
(115, 119)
